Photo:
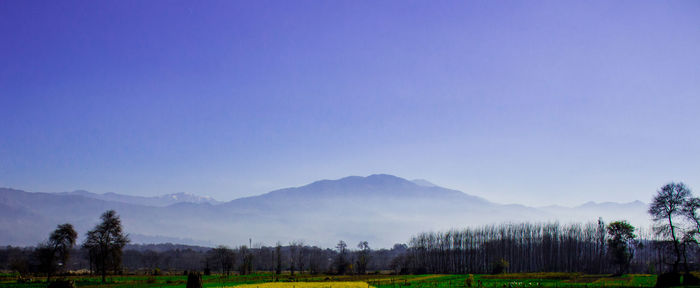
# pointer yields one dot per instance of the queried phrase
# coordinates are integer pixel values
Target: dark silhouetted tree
(621, 244)
(246, 256)
(292, 258)
(278, 258)
(105, 243)
(664, 209)
(46, 259)
(297, 253)
(690, 211)
(690, 237)
(318, 260)
(54, 254)
(501, 266)
(397, 264)
(194, 280)
(341, 260)
(363, 256)
(226, 258)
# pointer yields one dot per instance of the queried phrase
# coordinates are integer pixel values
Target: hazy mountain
(423, 182)
(162, 200)
(164, 246)
(635, 211)
(381, 209)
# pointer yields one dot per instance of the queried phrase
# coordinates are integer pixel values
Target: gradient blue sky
(532, 102)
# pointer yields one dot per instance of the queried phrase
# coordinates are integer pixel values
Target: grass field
(530, 280)
(267, 280)
(339, 284)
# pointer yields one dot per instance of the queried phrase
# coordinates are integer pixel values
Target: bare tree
(246, 256)
(318, 261)
(150, 259)
(341, 260)
(292, 255)
(226, 259)
(278, 258)
(690, 212)
(363, 256)
(298, 252)
(664, 209)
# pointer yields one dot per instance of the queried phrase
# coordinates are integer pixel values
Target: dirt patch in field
(423, 278)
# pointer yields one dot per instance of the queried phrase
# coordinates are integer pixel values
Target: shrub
(690, 279)
(22, 280)
(194, 280)
(668, 280)
(500, 267)
(470, 280)
(61, 284)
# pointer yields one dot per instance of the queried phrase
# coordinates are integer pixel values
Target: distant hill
(163, 200)
(423, 182)
(381, 209)
(635, 211)
(162, 247)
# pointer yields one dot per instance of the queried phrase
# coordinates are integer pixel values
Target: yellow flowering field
(347, 284)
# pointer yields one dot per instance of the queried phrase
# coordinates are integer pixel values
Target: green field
(379, 281)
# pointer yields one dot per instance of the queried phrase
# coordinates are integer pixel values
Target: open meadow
(267, 280)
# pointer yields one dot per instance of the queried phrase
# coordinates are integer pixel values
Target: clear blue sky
(533, 102)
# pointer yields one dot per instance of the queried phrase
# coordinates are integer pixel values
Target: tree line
(102, 249)
(295, 257)
(528, 247)
(595, 247)
(617, 247)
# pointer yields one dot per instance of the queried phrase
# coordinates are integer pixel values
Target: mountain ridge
(380, 208)
(160, 200)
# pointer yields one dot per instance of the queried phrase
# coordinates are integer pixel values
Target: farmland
(265, 280)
